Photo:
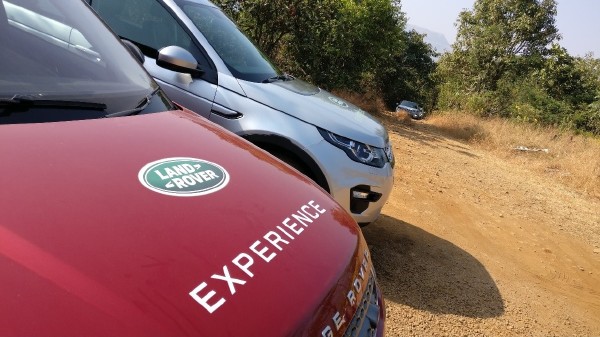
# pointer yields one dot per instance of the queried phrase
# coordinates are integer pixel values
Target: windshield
(236, 50)
(59, 62)
(409, 104)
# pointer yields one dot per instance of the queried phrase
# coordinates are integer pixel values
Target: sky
(578, 21)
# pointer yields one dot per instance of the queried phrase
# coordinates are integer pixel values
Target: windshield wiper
(143, 104)
(22, 103)
(283, 77)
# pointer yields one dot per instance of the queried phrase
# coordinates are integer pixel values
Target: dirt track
(470, 245)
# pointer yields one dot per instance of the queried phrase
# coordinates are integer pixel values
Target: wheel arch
(277, 146)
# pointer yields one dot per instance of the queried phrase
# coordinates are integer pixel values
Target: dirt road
(470, 245)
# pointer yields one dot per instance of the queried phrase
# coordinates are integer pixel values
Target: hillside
(437, 40)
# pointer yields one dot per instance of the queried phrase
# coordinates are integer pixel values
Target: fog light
(360, 195)
(360, 198)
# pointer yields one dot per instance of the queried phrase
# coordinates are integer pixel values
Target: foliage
(411, 73)
(269, 22)
(562, 78)
(507, 62)
(351, 45)
(503, 36)
(588, 118)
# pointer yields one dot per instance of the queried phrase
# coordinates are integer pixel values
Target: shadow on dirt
(425, 272)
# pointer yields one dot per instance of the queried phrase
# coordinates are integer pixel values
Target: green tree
(588, 117)
(269, 22)
(348, 46)
(498, 39)
(563, 78)
(410, 74)
(501, 36)
(507, 61)
(356, 45)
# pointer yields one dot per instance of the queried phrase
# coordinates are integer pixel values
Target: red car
(115, 220)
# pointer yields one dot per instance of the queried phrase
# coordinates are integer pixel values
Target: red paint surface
(85, 249)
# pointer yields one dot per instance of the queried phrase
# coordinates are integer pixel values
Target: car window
(236, 50)
(54, 51)
(148, 23)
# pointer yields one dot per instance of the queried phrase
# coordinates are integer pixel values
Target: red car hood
(86, 248)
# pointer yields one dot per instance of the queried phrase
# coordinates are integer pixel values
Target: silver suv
(204, 62)
(412, 108)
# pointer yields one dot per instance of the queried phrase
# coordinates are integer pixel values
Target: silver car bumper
(361, 189)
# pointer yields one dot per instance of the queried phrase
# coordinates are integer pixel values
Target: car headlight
(359, 152)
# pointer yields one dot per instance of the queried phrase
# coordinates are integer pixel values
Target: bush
(588, 120)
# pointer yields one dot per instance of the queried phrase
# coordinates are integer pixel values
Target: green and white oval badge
(183, 177)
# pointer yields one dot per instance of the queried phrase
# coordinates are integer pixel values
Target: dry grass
(374, 105)
(369, 102)
(458, 126)
(571, 159)
(402, 117)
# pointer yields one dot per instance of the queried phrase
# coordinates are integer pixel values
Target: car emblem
(183, 177)
(339, 102)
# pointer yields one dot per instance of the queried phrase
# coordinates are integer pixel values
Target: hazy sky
(578, 21)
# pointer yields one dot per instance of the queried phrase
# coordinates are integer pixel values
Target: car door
(151, 26)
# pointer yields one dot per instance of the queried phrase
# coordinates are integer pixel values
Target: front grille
(365, 320)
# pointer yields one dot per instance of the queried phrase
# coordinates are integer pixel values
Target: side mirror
(134, 50)
(178, 59)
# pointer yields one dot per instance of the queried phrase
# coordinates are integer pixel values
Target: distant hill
(437, 40)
